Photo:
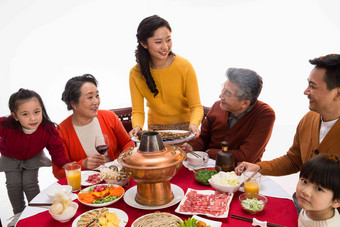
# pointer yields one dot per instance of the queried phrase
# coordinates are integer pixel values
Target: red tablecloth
(278, 211)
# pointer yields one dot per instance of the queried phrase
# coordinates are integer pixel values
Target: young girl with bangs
(318, 192)
(23, 136)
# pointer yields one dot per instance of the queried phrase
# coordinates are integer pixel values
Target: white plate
(122, 216)
(211, 163)
(101, 204)
(130, 195)
(211, 223)
(135, 138)
(133, 224)
(205, 192)
(85, 175)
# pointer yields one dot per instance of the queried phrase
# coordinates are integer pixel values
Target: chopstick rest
(259, 223)
(252, 220)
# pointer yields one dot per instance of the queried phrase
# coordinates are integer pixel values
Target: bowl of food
(226, 181)
(101, 195)
(202, 174)
(61, 214)
(59, 189)
(253, 205)
(112, 175)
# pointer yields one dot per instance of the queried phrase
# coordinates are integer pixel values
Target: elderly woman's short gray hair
(248, 82)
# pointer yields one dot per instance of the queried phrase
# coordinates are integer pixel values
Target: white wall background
(43, 43)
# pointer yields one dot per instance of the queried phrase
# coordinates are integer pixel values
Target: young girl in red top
(23, 136)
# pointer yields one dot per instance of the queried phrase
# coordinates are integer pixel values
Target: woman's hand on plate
(93, 161)
(134, 131)
(194, 129)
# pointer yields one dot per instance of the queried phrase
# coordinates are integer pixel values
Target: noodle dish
(157, 219)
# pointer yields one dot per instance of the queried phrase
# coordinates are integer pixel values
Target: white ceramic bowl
(195, 161)
(224, 188)
(59, 188)
(66, 217)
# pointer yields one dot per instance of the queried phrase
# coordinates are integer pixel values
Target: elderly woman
(79, 130)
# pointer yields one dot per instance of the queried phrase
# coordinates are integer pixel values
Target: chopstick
(191, 152)
(39, 204)
(251, 220)
(254, 173)
(90, 223)
(195, 154)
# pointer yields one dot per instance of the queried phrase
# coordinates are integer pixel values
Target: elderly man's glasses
(227, 94)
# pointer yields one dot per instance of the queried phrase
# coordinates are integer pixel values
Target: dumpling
(68, 210)
(56, 208)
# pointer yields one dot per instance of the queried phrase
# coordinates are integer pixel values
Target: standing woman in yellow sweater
(167, 81)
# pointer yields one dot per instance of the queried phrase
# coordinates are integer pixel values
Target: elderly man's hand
(246, 167)
(186, 147)
(93, 161)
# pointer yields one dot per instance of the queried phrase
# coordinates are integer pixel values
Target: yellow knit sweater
(178, 99)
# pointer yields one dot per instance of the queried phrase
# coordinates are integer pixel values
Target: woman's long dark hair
(145, 30)
(13, 103)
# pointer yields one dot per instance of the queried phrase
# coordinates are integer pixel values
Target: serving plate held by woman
(171, 136)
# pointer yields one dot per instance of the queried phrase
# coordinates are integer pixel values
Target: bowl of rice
(226, 181)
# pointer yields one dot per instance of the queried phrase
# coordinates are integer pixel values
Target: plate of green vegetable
(202, 174)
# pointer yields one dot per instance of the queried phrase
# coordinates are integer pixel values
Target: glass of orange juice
(73, 176)
(251, 184)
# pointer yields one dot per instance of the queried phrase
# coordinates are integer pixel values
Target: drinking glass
(102, 143)
(73, 176)
(251, 184)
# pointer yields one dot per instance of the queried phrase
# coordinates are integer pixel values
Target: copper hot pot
(152, 165)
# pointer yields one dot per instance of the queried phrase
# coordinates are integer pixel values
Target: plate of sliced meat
(89, 177)
(169, 136)
(205, 202)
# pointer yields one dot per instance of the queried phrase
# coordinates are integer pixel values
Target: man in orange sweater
(318, 131)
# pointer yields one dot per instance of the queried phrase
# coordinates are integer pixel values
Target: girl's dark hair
(72, 91)
(15, 100)
(331, 63)
(323, 170)
(145, 30)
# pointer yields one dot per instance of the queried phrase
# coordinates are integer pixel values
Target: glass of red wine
(102, 143)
